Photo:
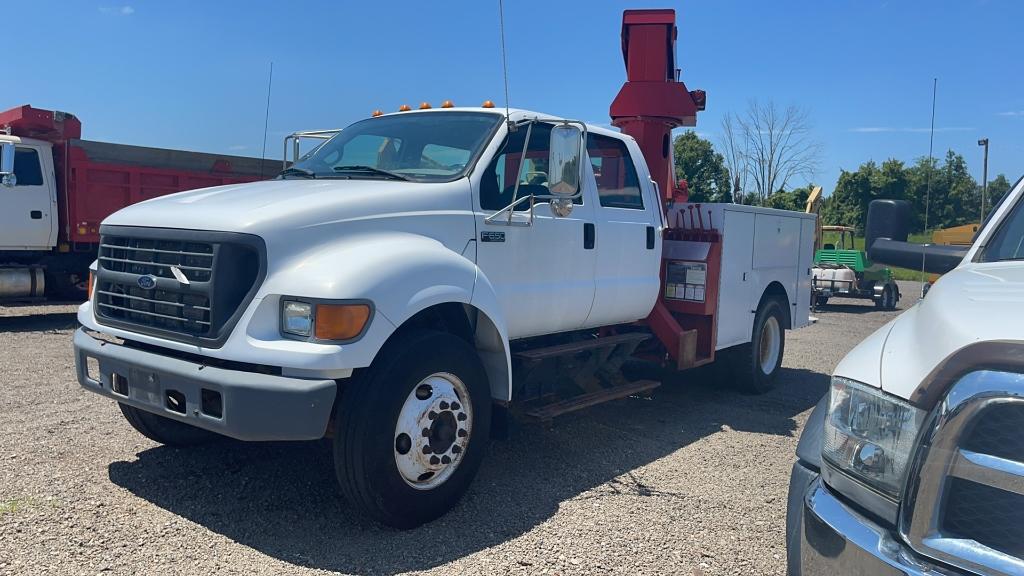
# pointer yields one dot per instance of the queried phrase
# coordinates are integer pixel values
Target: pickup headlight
(297, 318)
(870, 435)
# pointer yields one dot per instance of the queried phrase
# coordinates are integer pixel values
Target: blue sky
(193, 75)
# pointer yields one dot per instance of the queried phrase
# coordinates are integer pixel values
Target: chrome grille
(965, 506)
(178, 284)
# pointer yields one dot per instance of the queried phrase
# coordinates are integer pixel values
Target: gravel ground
(690, 481)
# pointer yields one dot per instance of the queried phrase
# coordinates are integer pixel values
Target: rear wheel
(887, 301)
(820, 300)
(164, 430)
(411, 433)
(759, 361)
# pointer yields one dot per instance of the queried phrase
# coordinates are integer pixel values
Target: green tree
(702, 167)
(996, 189)
(795, 199)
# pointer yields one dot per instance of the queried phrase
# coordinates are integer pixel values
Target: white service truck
(421, 273)
(914, 461)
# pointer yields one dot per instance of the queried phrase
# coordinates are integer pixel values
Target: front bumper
(832, 538)
(253, 406)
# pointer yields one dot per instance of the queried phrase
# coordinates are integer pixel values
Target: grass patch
(20, 504)
(897, 273)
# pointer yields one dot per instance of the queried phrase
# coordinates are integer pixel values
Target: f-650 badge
(492, 236)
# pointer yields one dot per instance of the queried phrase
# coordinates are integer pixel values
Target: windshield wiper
(295, 170)
(371, 169)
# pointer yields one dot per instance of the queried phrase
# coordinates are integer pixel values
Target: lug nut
(446, 460)
(435, 460)
(455, 406)
(426, 432)
(427, 449)
(456, 449)
(431, 415)
(462, 432)
(462, 416)
(444, 405)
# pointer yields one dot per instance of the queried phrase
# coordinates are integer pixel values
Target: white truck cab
(408, 278)
(914, 463)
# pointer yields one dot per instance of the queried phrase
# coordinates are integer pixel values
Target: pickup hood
(263, 208)
(972, 303)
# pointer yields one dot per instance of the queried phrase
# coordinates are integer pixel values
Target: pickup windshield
(437, 146)
(1008, 241)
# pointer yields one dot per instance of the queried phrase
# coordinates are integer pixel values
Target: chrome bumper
(835, 539)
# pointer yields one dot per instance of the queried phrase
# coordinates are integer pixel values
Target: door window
(618, 185)
(1008, 241)
(499, 179)
(27, 169)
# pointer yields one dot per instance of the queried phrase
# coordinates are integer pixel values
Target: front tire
(164, 430)
(759, 361)
(411, 432)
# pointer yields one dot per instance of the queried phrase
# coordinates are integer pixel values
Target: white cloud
(1011, 113)
(877, 129)
(125, 10)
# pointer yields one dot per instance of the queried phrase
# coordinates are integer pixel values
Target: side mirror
(887, 219)
(565, 152)
(7, 177)
(885, 238)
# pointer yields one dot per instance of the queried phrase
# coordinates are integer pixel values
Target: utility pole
(984, 177)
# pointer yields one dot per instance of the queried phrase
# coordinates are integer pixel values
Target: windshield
(1008, 241)
(416, 146)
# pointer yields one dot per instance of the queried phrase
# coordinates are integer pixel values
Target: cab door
(28, 215)
(543, 273)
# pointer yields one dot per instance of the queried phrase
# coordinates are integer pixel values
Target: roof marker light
(404, 108)
(447, 104)
(377, 113)
(488, 104)
(425, 106)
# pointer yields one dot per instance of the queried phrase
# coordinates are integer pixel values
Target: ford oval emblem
(147, 282)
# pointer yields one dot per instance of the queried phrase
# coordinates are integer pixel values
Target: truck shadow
(281, 498)
(39, 322)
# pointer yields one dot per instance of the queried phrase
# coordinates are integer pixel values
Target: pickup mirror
(885, 238)
(7, 163)
(564, 156)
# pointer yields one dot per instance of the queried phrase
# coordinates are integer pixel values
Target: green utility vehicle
(848, 273)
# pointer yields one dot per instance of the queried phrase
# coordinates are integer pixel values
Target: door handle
(36, 215)
(589, 235)
(650, 237)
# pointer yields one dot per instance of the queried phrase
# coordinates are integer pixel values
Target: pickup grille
(967, 506)
(178, 284)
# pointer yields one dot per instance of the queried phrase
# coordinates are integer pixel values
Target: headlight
(297, 318)
(870, 435)
(325, 320)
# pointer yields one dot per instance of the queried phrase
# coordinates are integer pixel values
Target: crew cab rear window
(27, 168)
(617, 183)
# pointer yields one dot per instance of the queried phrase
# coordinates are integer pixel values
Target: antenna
(504, 63)
(266, 120)
(928, 179)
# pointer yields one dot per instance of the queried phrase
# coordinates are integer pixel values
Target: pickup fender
(402, 274)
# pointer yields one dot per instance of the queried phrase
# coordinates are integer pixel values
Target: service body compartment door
(735, 290)
(29, 217)
(802, 310)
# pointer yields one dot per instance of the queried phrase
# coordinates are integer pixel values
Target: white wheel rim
(433, 430)
(769, 353)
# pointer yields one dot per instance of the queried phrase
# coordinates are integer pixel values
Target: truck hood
(262, 208)
(969, 304)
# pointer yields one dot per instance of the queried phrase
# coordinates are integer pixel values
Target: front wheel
(759, 361)
(411, 433)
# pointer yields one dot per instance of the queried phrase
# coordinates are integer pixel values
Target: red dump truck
(56, 188)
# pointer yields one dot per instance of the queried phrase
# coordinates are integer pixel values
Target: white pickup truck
(914, 462)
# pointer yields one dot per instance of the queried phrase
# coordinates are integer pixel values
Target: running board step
(549, 411)
(574, 347)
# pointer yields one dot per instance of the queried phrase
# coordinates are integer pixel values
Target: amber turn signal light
(340, 321)
(88, 289)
